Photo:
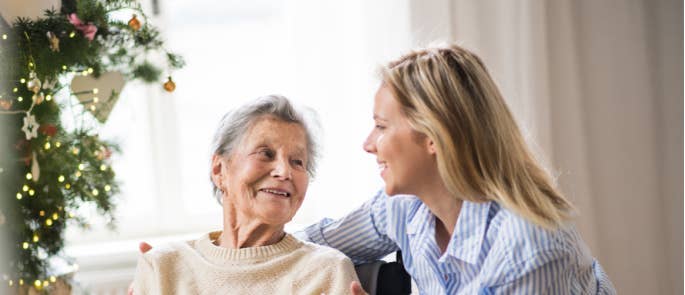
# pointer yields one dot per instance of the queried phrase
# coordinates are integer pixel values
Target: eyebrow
(300, 151)
(377, 117)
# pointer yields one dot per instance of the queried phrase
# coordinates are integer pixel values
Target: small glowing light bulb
(19, 196)
(20, 99)
(48, 97)
(48, 222)
(95, 91)
(55, 216)
(41, 213)
(4, 36)
(32, 192)
(25, 245)
(72, 34)
(25, 188)
(103, 167)
(22, 80)
(81, 166)
(47, 145)
(107, 188)
(35, 238)
(95, 192)
(60, 178)
(29, 176)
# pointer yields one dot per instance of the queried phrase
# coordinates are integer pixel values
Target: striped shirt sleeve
(361, 234)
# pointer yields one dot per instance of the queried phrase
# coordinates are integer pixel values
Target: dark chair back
(381, 278)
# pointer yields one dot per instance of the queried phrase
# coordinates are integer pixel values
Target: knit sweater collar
(205, 245)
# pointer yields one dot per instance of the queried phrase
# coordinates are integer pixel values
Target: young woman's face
(265, 179)
(405, 157)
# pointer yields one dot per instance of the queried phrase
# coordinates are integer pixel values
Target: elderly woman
(263, 156)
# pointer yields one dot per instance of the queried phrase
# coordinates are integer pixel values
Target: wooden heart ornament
(98, 95)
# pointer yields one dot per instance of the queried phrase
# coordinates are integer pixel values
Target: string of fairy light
(67, 167)
(27, 190)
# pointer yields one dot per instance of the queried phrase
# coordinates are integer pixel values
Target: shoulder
(520, 240)
(315, 253)
(167, 254)
(522, 243)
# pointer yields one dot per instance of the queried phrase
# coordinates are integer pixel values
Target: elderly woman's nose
(281, 169)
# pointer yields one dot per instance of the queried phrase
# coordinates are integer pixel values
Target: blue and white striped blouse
(492, 250)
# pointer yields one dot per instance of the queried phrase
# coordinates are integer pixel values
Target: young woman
(465, 200)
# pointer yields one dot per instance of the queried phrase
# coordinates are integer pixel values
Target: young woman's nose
(370, 144)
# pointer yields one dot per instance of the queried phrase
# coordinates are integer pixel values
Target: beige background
(599, 86)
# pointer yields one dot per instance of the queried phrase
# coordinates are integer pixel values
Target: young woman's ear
(430, 145)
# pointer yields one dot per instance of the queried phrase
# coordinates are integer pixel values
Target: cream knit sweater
(200, 267)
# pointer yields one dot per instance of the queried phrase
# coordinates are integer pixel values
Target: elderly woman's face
(265, 179)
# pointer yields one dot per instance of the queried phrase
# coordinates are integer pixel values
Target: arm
(144, 280)
(361, 234)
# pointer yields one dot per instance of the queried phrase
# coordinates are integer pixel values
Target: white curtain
(598, 86)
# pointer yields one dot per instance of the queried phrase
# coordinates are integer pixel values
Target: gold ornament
(38, 98)
(134, 23)
(5, 104)
(33, 84)
(169, 86)
(54, 41)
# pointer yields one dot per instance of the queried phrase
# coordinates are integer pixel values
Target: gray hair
(235, 123)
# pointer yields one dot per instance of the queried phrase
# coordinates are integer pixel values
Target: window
(317, 53)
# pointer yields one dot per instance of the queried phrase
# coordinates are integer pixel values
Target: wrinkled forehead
(276, 133)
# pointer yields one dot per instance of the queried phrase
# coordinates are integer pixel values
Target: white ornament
(35, 169)
(30, 127)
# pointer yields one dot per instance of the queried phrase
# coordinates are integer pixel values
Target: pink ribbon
(88, 29)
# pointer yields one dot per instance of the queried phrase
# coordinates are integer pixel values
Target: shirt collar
(469, 232)
(421, 219)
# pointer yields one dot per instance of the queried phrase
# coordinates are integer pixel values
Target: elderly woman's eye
(266, 154)
(298, 162)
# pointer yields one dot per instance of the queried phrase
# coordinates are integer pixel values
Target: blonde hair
(447, 94)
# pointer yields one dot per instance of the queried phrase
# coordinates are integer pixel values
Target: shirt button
(446, 277)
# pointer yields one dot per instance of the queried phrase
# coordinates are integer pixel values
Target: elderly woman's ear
(217, 171)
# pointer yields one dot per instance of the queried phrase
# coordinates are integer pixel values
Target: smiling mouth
(382, 166)
(276, 192)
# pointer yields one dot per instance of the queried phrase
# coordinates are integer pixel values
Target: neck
(442, 204)
(241, 231)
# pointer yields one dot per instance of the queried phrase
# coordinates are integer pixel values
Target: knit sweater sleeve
(144, 282)
(343, 274)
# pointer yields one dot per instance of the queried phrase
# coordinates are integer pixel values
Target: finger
(356, 289)
(130, 289)
(144, 247)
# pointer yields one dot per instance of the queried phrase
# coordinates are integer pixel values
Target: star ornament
(30, 127)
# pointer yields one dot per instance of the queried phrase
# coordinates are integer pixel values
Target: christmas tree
(47, 169)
